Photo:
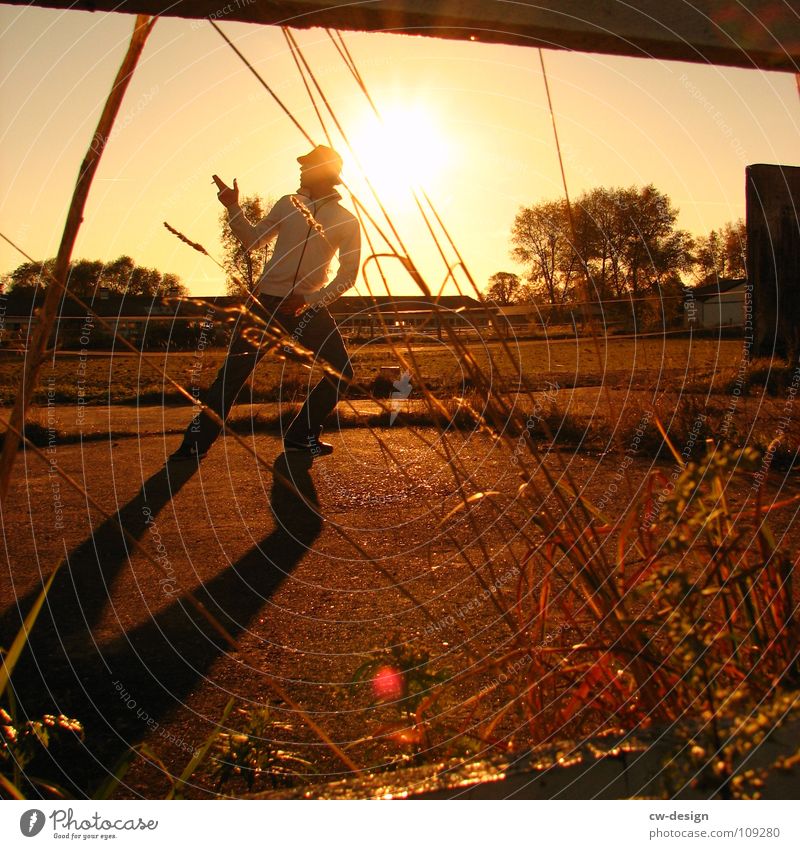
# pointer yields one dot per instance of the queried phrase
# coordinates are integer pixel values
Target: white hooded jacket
(302, 254)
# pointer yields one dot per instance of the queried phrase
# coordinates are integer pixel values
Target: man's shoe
(313, 445)
(187, 452)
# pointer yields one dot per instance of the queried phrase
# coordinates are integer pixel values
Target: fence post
(773, 244)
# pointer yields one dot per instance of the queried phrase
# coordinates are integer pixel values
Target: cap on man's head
(326, 159)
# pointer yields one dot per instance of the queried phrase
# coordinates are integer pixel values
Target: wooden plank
(760, 33)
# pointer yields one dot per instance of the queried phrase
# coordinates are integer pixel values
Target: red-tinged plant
(680, 614)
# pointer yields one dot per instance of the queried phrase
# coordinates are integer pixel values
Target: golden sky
(469, 120)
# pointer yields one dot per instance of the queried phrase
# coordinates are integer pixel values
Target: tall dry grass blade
(55, 291)
(13, 791)
(11, 658)
(665, 436)
(201, 752)
(107, 788)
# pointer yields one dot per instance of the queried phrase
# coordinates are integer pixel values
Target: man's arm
(349, 260)
(254, 236)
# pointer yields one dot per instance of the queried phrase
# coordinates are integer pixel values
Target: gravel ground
(371, 555)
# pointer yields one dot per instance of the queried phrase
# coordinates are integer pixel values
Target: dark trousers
(314, 329)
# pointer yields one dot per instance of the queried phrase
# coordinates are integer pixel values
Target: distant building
(380, 315)
(180, 323)
(146, 321)
(720, 304)
(537, 318)
(521, 316)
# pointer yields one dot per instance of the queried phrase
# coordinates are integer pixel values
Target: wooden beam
(761, 33)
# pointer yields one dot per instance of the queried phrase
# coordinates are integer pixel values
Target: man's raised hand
(227, 196)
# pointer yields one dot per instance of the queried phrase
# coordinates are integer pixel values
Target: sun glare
(405, 150)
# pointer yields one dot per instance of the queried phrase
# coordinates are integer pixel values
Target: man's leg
(321, 335)
(242, 357)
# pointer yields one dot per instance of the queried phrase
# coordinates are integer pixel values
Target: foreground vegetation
(667, 607)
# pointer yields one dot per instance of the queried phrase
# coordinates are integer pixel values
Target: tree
(124, 277)
(117, 274)
(600, 216)
(622, 241)
(504, 288)
(85, 277)
(541, 239)
(630, 240)
(653, 249)
(171, 285)
(722, 253)
(237, 262)
(30, 275)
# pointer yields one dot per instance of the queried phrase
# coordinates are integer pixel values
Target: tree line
(124, 277)
(623, 242)
(86, 277)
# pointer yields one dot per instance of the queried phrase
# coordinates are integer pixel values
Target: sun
(403, 151)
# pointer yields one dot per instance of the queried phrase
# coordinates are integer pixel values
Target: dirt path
(286, 576)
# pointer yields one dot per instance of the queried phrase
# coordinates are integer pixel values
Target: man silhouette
(310, 227)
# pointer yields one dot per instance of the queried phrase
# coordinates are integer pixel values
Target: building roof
(21, 304)
(517, 309)
(349, 304)
(722, 286)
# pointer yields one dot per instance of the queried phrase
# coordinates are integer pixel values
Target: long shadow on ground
(82, 589)
(155, 666)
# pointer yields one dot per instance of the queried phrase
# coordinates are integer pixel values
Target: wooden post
(773, 244)
(55, 288)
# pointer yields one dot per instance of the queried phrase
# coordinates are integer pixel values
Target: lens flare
(388, 684)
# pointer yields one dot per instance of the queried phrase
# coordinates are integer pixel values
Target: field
(589, 395)
(395, 603)
(650, 362)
